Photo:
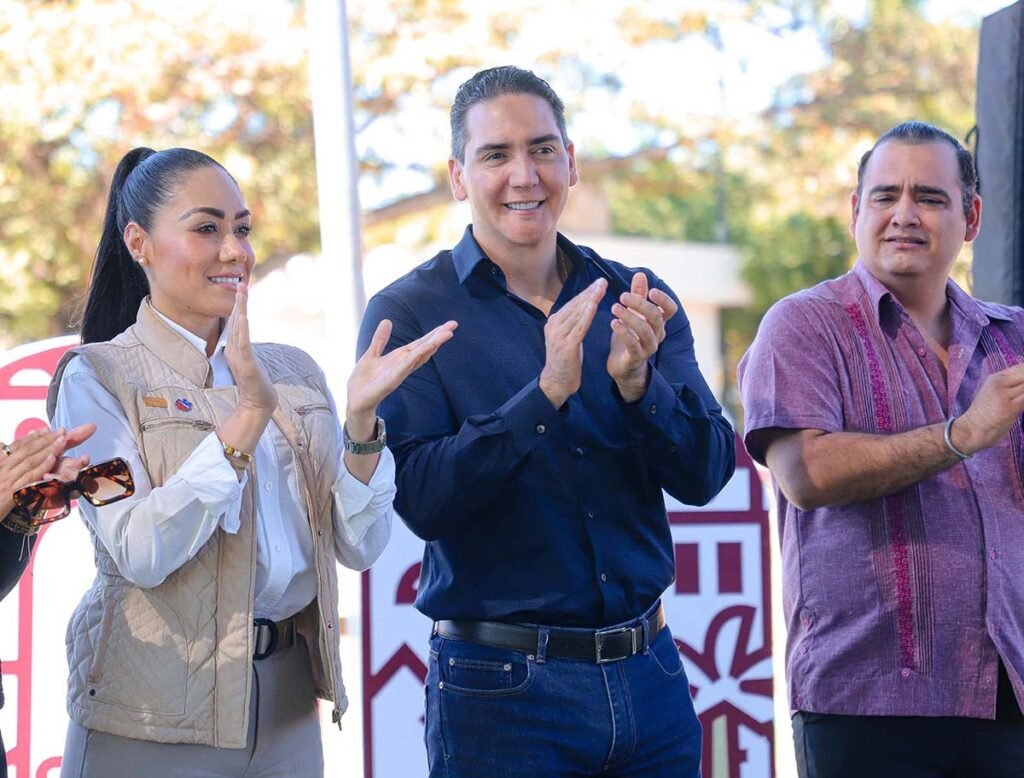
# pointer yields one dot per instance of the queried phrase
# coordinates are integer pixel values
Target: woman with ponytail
(212, 625)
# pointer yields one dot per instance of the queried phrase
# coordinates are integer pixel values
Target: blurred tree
(83, 81)
(788, 177)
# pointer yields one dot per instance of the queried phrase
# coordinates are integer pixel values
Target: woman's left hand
(376, 375)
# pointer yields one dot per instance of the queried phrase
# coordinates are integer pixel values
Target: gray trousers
(283, 739)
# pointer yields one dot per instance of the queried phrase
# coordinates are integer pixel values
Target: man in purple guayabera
(887, 404)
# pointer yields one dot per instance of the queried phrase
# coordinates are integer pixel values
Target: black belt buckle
(258, 633)
(602, 634)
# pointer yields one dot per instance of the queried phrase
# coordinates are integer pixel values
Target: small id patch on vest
(155, 402)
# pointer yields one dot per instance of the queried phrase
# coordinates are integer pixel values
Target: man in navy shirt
(532, 454)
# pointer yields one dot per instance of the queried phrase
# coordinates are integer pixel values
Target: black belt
(270, 636)
(600, 645)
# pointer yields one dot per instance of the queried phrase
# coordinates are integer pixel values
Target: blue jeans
(493, 713)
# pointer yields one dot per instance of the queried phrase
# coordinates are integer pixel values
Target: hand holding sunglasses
(47, 501)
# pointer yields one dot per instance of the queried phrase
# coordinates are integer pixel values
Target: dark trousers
(831, 746)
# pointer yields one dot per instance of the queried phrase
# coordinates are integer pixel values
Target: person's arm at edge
(815, 468)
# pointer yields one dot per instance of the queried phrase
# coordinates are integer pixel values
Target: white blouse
(157, 530)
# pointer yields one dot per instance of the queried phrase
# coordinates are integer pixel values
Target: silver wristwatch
(374, 446)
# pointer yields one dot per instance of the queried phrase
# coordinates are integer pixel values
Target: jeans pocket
(471, 669)
(666, 654)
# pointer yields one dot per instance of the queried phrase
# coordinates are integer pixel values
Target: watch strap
(374, 446)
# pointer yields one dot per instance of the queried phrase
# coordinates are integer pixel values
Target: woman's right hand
(257, 398)
(39, 455)
(255, 391)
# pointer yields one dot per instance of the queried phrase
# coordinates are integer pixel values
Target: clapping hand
(255, 391)
(37, 456)
(563, 344)
(998, 404)
(638, 328)
(376, 374)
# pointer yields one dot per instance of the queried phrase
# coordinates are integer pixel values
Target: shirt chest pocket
(166, 442)
(318, 426)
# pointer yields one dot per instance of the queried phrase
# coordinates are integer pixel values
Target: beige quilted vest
(173, 664)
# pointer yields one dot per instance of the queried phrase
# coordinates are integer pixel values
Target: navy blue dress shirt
(531, 513)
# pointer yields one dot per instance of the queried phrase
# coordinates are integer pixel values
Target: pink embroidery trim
(894, 506)
(1004, 347)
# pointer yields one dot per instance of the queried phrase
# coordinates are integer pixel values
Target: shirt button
(992, 554)
(921, 352)
(494, 271)
(803, 649)
(269, 486)
(579, 452)
(590, 514)
(604, 577)
(905, 672)
(654, 408)
(541, 429)
(798, 700)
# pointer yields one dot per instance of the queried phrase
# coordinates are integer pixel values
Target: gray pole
(337, 177)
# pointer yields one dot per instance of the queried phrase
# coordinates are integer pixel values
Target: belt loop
(433, 630)
(647, 635)
(543, 635)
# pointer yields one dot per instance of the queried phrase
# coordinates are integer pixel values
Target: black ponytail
(143, 181)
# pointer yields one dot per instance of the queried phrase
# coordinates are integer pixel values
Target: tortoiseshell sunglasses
(44, 502)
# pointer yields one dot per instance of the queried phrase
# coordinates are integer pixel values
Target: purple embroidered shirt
(899, 606)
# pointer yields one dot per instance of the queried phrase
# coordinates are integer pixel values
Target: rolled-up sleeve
(788, 378)
(363, 513)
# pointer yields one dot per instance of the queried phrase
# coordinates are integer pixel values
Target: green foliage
(793, 253)
(82, 83)
(787, 183)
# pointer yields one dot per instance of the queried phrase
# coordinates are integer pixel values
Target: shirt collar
(194, 340)
(968, 307)
(467, 254)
